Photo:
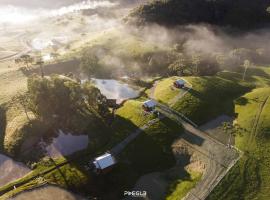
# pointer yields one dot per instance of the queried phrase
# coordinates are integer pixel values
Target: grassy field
(149, 152)
(70, 176)
(180, 188)
(209, 97)
(250, 178)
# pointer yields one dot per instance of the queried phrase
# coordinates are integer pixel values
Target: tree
(196, 60)
(208, 67)
(239, 55)
(40, 63)
(178, 66)
(246, 66)
(59, 100)
(26, 59)
(232, 130)
(23, 101)
(89, 63)
(221, 59)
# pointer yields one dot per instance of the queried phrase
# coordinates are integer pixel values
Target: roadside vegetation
(249, 178)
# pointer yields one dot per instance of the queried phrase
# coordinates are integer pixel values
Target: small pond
(66, 144)
(114, 89)
(47, 192)
(11, 170)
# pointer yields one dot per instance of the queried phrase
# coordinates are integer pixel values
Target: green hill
(236, 13)
(250, 178)
(208, 98)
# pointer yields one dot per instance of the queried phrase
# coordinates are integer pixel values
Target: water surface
(66, 144)
(114, 89)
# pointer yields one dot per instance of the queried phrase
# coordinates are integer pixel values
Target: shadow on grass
(149, 152)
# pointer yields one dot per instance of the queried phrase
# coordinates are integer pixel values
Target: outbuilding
(179, 83)
(104, 163)
(149, 105)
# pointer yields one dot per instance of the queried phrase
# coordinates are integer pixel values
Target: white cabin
(149, 105)
(104, 162)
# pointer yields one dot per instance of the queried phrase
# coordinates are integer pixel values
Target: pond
(66, 144)
(114, 89)
(47, 192)
(11, 170)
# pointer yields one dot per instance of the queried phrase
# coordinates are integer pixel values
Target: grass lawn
(180, 188)
(149, 152)
(209, 97)
(163, 90)
(250, 178)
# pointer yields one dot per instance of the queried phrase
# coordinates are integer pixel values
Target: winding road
(26, 48)
(219, 158)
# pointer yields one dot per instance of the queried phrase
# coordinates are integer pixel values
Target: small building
(104, 163)
(149, 105)
(179, 83)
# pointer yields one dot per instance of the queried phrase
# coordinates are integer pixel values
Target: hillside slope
(209, 97)
(238, 14)
(250, 178)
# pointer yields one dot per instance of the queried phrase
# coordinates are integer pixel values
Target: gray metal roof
(180, 82)
(104, 161)
(150, 103)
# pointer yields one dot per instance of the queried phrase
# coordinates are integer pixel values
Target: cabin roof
(180, 82)
(104, 161)
(150, 103)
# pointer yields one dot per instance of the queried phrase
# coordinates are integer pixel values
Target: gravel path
(218, 157)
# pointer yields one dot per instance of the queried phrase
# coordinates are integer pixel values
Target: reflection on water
(114, 89)
(48, 193)
(66, 144)
(11, 170)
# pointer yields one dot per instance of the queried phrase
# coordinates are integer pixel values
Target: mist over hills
(241, 14)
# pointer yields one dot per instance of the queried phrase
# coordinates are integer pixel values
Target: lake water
(114, 89)
(66, 144)
(11, 170)
(48, 193)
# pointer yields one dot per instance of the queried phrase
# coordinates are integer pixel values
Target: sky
(38, 3)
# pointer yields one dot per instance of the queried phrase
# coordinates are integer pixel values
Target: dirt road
(218, 157)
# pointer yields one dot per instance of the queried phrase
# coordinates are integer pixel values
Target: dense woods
(235, 13)
(65, 103)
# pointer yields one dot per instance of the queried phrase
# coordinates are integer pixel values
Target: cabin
(104, 163)
(149, 105)
(179, 83)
